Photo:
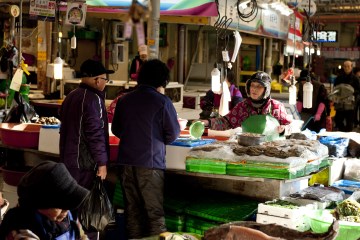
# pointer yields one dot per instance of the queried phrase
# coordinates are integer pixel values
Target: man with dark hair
(145, 120)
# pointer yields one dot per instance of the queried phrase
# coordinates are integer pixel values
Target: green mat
(263, 171)
(175, 223)
(213, 166)
(198, 225)
(118, 199)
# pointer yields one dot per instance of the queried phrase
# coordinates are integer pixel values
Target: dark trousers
(344, 120)
(143, 191)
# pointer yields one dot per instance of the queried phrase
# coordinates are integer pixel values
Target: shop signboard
(42, 8)
(264, 22)
(204, 8)
(341, 52)
(325, 36)
(295, 35)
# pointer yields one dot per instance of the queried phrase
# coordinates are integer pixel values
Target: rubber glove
(319, 111)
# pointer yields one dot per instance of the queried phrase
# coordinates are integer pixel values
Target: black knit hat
(264, 79)
(92, 68)
(50, 185)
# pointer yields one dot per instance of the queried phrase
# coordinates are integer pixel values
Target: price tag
(16, 80)
(225, 56)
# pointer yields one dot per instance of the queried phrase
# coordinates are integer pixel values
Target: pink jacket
(245, 109)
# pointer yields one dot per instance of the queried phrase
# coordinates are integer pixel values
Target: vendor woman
(258, 89)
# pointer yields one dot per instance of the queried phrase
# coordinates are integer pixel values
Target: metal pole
(20, 31)
(181, 53)
(153, 30)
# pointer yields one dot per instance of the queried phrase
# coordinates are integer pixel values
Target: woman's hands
(281, 129)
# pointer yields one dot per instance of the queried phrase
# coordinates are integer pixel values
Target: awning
(200, 8)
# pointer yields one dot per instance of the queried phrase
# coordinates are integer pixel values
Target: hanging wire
(249, 13)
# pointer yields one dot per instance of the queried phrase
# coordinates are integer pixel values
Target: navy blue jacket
(84, 130)
(145, 121)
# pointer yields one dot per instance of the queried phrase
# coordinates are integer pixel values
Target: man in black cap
(46, 194)
(84, 132)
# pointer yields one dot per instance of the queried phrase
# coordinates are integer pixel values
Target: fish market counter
(267, 171)
(258, 188)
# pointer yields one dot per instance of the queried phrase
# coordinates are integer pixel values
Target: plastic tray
(321, 220)
(188, 142)
(347, 186)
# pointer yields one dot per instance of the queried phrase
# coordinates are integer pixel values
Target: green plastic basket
(175, 223)
(321, 220)
(222, 208)
(197, 225)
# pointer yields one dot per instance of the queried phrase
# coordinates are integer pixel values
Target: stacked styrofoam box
(10, 194)
(291, 218)
(49, 138)
(176, 156)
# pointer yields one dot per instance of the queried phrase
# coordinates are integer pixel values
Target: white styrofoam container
(309, 203)
(281, 211)
(49, 139)
(301, 223)
(176, 157)
(10, 194)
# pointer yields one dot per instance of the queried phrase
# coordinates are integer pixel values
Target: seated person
(211, 102)
(259, 102)
(46, 194)
(320, 103)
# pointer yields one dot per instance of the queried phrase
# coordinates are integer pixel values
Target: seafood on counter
(257, 231)
(47, 120)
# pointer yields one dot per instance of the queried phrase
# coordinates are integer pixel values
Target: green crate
(213, 166)
(197, 225)
(222, 207)
(175, 223)
(118, 198)
(311, 168)
(263, 171)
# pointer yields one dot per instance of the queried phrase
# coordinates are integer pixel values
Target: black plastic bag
(20, 111)
(96, 211)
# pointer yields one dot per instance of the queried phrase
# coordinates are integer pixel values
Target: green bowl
(196, 129)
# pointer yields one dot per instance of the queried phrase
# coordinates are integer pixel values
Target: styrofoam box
(176, 156)
(309, 203)
(281, 211)
(10, 194)
(301, 223)
(49, 139)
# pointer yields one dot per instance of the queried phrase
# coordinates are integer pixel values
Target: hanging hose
(249, 13)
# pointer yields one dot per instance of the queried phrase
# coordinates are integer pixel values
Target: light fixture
(307, 50)
(318, 52)
(307, 93)
(58, 68)
(215, 79)
(339, 67)
(312, 50)
(73, 40)
(292, 91)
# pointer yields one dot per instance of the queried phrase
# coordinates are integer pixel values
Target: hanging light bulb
(73, 40)
(292, 91)
(318, 52)
(58, 68)
(307, 94)
(215, 79)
